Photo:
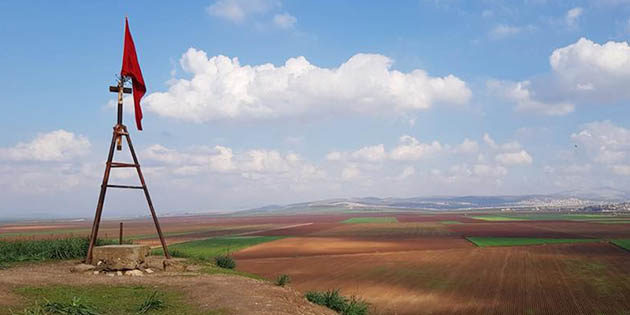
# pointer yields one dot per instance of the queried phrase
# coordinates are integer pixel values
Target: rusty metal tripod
(120, 131)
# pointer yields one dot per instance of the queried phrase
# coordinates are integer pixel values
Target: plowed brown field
(314, 246)
(558, 279)
(420, 265)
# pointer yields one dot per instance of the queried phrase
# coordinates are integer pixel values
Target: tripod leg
(101, 201)
(146, 194)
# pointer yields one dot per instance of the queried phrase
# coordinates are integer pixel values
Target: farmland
(521, 241)
(411, 263)
(371, 220)
(216, 246)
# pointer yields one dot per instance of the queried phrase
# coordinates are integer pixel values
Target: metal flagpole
(120, 130)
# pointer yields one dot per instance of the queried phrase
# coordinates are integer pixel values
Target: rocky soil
(236, 294)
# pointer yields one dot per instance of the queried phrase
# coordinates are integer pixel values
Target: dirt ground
(314, 246)
(550, 279)
(421, 265)
(236, 294)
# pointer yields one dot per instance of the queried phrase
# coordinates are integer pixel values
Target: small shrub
(338, 303)
(152, 302)
(283, 280)
(356, 307)
(226, 262)
(75, 307)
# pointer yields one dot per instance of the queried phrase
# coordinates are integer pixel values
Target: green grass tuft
(105, 300)
(520, 241)
(371, 220)
(75, 307)
(151, 303)
(338, 303)
(283, 280)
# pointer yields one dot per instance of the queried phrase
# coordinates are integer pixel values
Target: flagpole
(120, 130)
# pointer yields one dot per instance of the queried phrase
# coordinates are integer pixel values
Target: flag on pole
(131, 68)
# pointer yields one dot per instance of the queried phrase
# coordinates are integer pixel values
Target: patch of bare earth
(316, 246)
(591, 278)
(234, 294)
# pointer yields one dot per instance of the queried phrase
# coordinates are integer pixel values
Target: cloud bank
(221, 88)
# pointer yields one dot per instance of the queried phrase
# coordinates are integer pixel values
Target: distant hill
(562, 200)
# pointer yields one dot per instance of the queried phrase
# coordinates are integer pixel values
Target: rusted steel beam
(146, 194)
(101, 200)
(120, 236)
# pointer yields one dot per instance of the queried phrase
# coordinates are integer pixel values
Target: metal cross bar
(115, 89)
(120, 164)
(125, 186)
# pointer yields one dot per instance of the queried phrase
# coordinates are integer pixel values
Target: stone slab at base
(120, 257)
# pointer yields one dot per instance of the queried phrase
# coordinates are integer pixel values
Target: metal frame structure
(120, 131)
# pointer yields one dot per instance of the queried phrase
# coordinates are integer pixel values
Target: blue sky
(324, 99)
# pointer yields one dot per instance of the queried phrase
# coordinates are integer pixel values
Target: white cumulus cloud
(592, 68)
(605, 141)
(514, 158)
(222, 88)
(371, 153)
(412, 149)
(467, 146)
(251, 164)
(56, 145)
(525, 99)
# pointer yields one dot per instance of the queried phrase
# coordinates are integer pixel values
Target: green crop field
(41, 250)
(520, 241)
(546, 217)
(623, 243)
(612, 221)
(371, 220)
(209, 248)
(450, 222)
(48, 232)
(128, 300)
(565, 216)
(490, 217)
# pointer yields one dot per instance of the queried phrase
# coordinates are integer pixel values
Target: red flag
(131, 68)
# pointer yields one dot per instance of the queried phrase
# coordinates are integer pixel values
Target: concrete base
(120, 257)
